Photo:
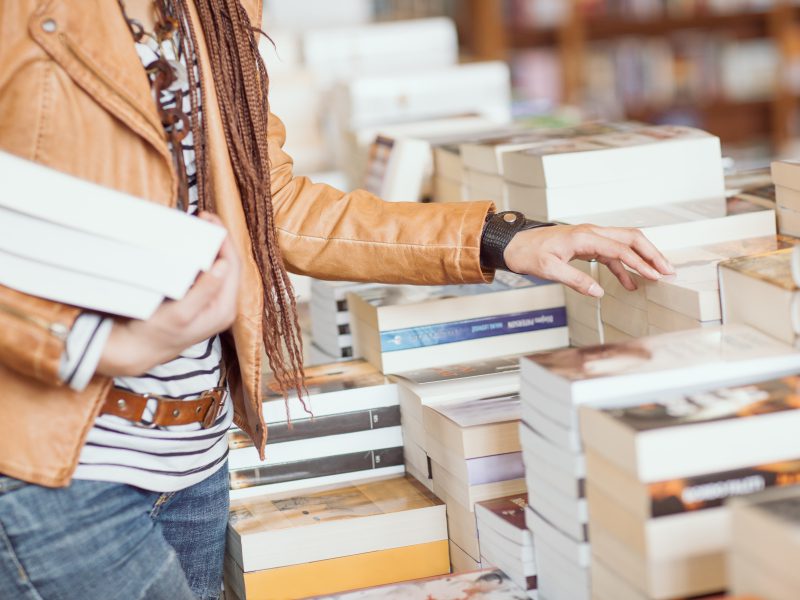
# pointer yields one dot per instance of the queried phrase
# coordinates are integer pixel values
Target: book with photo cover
(486, 584)
(506, 515)
(688, 435)
(267, 532)
(637, 369)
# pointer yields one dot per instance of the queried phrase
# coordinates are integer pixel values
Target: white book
(622, 316)
(568, 515)
(286, 452)
(70, 287)
(50, 195)
(577, 553)
(652, 366)
(481, 89)
(678, 225)
(559, 579)
(561, 469)
(648, 152)
(556, 433)
(695, 434)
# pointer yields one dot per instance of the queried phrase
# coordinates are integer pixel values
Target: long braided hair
(241, 83)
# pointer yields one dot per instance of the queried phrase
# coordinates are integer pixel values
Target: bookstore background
(519, 440)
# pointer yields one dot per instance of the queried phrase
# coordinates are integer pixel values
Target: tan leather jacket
(73, 95)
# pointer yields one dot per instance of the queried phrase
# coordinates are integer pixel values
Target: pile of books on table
(330, 317)
(506, 542)
(334, 539)
(354, 434)
(554, 384)
(658, 474)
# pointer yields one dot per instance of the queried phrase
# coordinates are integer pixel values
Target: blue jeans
(104, 541)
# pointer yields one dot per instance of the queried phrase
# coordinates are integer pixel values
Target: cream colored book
(276, 531)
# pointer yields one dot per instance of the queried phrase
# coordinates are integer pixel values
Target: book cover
(778, 395)
(399, 494)
(773, 267)
(463, 371)
(333, 377)
(352, 462)
(478, 585)
(482, 411)
(472, 329)
(510, 509)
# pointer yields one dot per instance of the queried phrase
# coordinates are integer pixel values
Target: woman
(112, 433)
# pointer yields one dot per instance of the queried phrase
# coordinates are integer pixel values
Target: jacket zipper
(58, 330)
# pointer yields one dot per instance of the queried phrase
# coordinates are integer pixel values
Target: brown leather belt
(130, 406)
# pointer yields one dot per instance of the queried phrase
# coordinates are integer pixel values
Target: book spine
(303, 429)
(709, 491)
(316, 467)
(472, 329)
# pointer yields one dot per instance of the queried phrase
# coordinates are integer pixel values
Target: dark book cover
(709, 491)
(303, 429)
(316, 467)
(510, 509)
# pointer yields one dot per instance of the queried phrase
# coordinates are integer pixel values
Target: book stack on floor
(330, 317)
(765, 548)
(622, 167)
(403, 328)
(553, 386)
(657, 476)
(786, 176)
(453, 383)
(484, 584)
(506, 542)
(765, 281)
(331, 540)
(355, 434)
(474, 452)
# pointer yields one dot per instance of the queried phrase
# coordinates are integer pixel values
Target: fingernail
(219, 268)
(670, 268)
(595, 291)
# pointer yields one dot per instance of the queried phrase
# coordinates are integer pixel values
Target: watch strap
(498, 231)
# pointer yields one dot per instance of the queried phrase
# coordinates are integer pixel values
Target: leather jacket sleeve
(34, 333)
(329, 234)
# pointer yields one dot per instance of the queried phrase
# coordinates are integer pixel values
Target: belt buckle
(148, 424)
(214, 408)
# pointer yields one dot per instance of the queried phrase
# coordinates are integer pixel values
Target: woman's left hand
(546, 251)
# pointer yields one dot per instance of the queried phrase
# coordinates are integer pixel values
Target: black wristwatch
(497, 233)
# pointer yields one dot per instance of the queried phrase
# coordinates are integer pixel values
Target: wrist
(122, 355)
(498, 231)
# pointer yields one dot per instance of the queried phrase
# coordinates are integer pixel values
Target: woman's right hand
(209, 307)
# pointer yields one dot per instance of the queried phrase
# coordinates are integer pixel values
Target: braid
(241, 84)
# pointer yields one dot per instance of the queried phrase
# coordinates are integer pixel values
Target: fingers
(572, 277)
(621, 273)
(643, 246)
(601, 246)
(204, 291)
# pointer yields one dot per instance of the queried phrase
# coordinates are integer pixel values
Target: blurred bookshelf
(728, 67)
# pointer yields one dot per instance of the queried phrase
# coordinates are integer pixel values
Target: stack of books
(613, 170)
(354, 434)
(403, 328)
(584, 319)
(330, 317)
(484, 584)
(766, 281)
(553, 386)
(506, 542)
(765, 545)
(786, 176)
(474, 453)
(657, 477)
(484, 159)
(453, 383)
(331, 540)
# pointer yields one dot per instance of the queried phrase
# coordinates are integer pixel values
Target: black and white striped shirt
(162, 459)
